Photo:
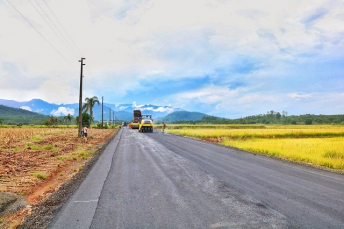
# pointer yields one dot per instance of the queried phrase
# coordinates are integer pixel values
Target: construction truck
(146, 124)
(137, 117)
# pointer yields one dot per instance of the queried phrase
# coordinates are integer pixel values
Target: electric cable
(62, 27)
(69, 47)
(39, 33)
(49, 25)
(87, 66)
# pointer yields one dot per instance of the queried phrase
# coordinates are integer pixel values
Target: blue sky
(228, 58)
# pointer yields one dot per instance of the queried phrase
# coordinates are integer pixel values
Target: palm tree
(90, 102)
(68, 118)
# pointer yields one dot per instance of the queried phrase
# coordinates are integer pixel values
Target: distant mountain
(15, 116)
(121, 112)
(182, 116)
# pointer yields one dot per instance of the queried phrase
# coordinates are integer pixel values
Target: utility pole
(102, 112)
(113, 118)
(110, 115)
(80, 98)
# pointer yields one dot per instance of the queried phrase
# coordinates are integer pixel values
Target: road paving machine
(137, 117)
(146, 124)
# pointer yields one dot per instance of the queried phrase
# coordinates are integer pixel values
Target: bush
(308, 121)
(86, 119)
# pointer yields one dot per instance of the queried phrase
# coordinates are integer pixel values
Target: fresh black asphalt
(157, 180)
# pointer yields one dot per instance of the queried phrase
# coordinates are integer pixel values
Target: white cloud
(164, 109)
(26, 108)
(62, 111)
(136, 106)
(129, 45)
(300, 96)
(159, 109)
(122, 107)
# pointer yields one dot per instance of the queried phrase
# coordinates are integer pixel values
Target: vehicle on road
(137, 117)
(146, 124)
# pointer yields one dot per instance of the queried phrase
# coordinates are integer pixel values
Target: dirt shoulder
(42, 171)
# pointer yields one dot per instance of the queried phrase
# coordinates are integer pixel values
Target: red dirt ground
(37, 165)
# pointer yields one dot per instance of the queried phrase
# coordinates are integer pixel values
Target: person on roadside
(85, 132)
(163, 127)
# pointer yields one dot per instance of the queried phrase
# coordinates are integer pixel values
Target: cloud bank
(62, 111)
(227, 58)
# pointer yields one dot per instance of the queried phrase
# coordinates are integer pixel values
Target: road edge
(307, 165)
(45, 211)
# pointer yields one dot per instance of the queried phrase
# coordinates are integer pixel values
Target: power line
(69, 47)
(39, 32)
(48, 23)
(64, 35)
(89, 70)
(63, 27)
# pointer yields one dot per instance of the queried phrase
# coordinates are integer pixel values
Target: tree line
(17, 116)
(272, 117)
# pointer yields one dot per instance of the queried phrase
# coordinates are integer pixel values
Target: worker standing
(163, 127)
(85, 133)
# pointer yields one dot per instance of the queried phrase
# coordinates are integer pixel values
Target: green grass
(38, 175)
(41, 176)
(34, 147)
(29, 145)
(50, 147)
(36, 139)
(84, 154)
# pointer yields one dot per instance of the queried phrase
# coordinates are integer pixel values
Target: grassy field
(44, 150)
(35, 162)
(321, 145)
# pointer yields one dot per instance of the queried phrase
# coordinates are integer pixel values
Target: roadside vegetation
(319, 145)
(271, 117)
(35, 162)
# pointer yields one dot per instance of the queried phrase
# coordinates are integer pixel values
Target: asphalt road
(157, 180)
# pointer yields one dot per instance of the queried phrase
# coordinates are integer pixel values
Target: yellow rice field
(321, 145)
(328, 152)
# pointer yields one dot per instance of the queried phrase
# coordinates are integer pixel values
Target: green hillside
(15, 116)
(182, 116)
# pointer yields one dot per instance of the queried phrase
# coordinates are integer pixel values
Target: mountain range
(122, 112)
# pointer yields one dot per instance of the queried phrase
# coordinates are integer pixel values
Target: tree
(308, 121)
(51, 121)
(90, 102)
(86, 119)
(1, 120)
(47, 123)
(68, 118)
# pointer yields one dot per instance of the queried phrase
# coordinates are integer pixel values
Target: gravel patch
(10, 202)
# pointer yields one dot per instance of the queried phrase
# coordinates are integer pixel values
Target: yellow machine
(136, 119)
(146, 124)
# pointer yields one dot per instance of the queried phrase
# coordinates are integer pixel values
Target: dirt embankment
(41, 171)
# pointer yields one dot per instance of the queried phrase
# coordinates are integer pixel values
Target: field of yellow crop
(321, 145)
